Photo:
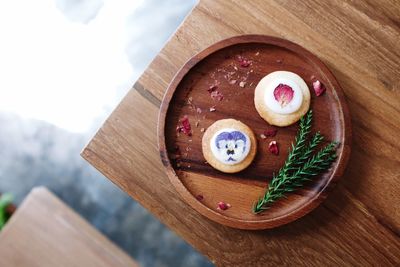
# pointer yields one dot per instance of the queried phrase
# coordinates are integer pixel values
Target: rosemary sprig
(300, 166)
(294, 157)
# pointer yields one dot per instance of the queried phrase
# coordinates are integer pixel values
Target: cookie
(282, 98)
(229, 145)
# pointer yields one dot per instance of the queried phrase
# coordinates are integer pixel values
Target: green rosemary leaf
(295, 152)
(301, 165)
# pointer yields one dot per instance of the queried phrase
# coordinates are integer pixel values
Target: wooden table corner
(358, 224)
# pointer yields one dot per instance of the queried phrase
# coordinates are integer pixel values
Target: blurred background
(64, 66)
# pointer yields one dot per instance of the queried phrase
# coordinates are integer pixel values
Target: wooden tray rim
(302, 210)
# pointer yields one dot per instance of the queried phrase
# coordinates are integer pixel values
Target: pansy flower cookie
(282, 98)
(229, 145)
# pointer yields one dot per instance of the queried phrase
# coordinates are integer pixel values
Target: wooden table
(44, 232)
(359, 223)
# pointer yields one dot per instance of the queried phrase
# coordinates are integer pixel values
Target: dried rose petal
(283, 94)
(186, 123)
(319, 88)
(217, 95)
(270, 132)
(243, 62)
(223, 206)
(273, 148)
(199, 197)
(184, 127)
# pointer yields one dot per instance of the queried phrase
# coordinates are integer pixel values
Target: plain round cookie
(275, 118)
(222, 124)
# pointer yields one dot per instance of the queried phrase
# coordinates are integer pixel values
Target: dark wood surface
(188, 92)
(358, 224)
(44, 232)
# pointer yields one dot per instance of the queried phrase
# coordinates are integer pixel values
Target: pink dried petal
(186, 123)
(270, 132)
(199, 197)
(319, 88)
(244, 62)
(223, 206)
(217, 95)
(283, 93)
(273, 148)
(184, 126)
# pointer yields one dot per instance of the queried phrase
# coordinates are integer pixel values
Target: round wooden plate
(203, 187)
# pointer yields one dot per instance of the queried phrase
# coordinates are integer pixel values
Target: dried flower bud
(283, 94)
(199, 197)
(223, 206)
(273, 148)
(319, 88)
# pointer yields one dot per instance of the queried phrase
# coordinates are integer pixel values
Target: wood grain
(358, 224)
(45, 232)
(187, 93)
